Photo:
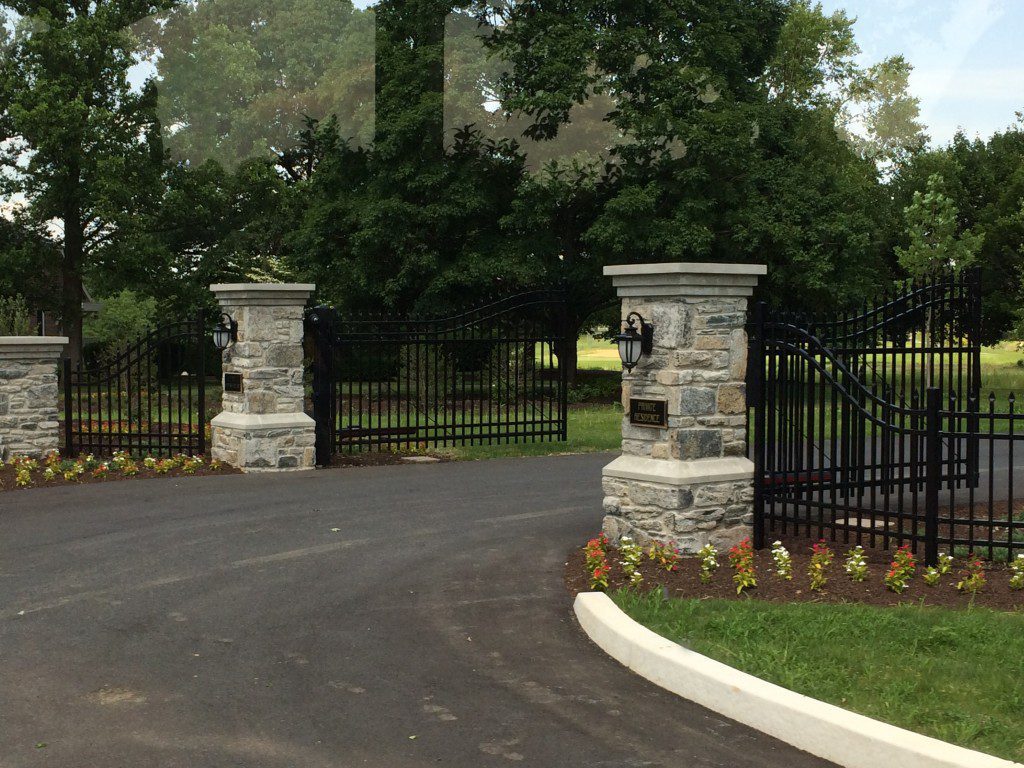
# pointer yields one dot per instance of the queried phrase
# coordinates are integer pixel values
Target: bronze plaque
(232, 382)
(648, 413)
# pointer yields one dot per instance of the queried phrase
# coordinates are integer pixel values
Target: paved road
(221, 621)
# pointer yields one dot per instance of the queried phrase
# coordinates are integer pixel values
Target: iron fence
(868, 429)
(149, 399)
(488, 375)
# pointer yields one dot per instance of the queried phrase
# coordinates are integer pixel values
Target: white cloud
(968, 84)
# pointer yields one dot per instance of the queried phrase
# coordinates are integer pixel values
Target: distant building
(47, 322)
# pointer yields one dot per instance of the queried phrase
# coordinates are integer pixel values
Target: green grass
(1003, 354)
(591, 429)
(597, 354)
(953, 675)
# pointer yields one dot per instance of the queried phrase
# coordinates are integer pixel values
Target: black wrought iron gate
(148, 399)
(860, 420)
(489, 375)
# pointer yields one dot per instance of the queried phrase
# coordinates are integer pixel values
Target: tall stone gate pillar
(684, 475)
(29, 395)
(264, 426)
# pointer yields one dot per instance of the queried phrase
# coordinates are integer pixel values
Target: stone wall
(264, 427)
(699, 365)
(689, 516)
(269, 360)
(264, 444)
(29, 395)
(689, 483)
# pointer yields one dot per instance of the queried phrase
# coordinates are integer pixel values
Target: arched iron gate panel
(488, 375)
(860, 419)
(149, 400)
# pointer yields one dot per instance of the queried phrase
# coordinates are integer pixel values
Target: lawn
(950, 674)
(597, 354)
(591, 428)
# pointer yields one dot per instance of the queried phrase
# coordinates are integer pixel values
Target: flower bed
(21, 473)
(796, 571)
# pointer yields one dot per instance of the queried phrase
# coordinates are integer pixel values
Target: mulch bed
(7, 477)
(685, 582)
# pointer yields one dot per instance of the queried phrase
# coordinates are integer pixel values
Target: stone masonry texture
(29, 403)
(699, 367)
(269, 356)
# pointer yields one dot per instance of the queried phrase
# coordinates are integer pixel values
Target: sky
(968, 57)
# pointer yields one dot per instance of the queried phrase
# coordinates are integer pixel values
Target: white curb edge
(824, 730)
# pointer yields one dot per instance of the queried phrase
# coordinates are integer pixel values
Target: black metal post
(756, 396)
(563, 368)
(933, 474)
(200, 379)
(974, 389)
(317, 329)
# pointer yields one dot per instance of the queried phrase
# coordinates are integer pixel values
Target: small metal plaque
(648, 413)
(232, 382)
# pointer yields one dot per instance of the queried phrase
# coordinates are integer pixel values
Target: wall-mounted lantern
(225, 333)
(634, 343)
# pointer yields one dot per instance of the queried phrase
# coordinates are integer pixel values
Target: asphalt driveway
(388, 616)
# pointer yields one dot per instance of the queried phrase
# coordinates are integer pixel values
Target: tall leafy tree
(984, 181)
(209, 225)
(238, 78)
(78, 142)
(817, 65)
(729, 151)
(683, 80)
(936, 243)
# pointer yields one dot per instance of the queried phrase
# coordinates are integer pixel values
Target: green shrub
(15, 319)
(596, 386)
(123, 319)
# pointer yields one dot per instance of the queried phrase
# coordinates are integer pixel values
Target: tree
(209, 225)
(29, 263)
(237, 79)
(79, 143)
(683, 83)
(816, 67)
(122, 320)
(936, 244)
(729, 148)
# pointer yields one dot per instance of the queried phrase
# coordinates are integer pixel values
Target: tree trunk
(71, 280)
(568, 350)
(571, 359)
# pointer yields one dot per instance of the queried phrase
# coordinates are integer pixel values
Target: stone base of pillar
(687, 503)
(277, 442)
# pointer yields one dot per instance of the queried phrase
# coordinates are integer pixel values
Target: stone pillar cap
(35, 341)
(32, 347)
(263, 294)
(685, 279)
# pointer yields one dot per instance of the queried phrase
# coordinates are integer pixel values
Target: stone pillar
(29, 395)
(263, 426)
(689, 482)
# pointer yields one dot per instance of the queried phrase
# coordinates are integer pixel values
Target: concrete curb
(824, 730)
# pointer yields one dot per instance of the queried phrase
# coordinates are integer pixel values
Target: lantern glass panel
(221, 337)
(630, 350)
